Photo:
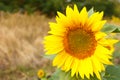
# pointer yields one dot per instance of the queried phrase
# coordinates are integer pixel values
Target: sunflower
(78, 43)
(40, 73)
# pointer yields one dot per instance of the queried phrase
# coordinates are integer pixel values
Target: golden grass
(21, 39)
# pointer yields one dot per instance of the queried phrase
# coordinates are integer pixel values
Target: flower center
(80, 43)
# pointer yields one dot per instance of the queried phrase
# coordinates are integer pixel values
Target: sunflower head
(78, 43)
(40, 73)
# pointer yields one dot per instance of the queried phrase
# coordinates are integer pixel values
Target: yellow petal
(102, 67)
(86, 68)
(92, 19)
(83, 15)
(74, 67)
(60, 59)
(62, 20)
(97, 26)
(95, 17)
(98, 75)
(72, 16)
(103, 55)
(53, 44)
(62, 16)
(68, 63)
(96, 66)
(81, 69)
(89, 67)
(100, 35)
(108, 43)
(76, 11)
(95, 21)
(57, 29)
(76, 16)
(69, 12)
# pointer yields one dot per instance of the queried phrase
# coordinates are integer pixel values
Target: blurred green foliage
(50, 7)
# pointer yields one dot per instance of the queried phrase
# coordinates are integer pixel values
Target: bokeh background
(24, 23)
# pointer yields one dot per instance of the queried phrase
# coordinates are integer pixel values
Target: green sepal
(51, 57)
(112, 73)
(110, 28)
(90, 12)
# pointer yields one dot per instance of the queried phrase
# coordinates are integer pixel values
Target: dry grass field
(21, 48)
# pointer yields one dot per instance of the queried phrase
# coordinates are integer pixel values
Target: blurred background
(24, 23)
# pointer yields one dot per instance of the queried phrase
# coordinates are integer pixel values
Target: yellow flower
(41, 73)
(78, 43)
(115, 20)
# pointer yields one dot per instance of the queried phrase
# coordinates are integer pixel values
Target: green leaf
(61, 75)
(90, 12)
(117, 50)
(112, 73)
(55, 75)
(108, 28)
(67, 76)
(117, 30)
